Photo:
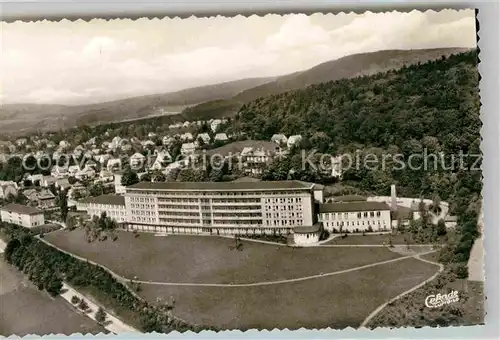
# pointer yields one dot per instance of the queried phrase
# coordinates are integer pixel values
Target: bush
(461, 271)
(75, 299)
(83, 305)
(100, 315)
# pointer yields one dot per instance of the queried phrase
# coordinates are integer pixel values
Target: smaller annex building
(303, 236)
(355, 216)
(22, 215)
(112, 205)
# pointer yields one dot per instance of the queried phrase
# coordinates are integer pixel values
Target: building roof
(105, 199)
(349, 198)
(21, 209)
(306, 230)
(214, 186)
(352, 206)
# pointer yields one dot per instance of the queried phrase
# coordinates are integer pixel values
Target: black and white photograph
(241, 173)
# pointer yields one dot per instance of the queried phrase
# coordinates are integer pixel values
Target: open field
(335, 301)
(26, 310)
(208, 259)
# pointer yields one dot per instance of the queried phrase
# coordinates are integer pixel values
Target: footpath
(112, 323)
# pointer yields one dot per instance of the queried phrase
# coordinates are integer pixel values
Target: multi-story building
(355, 216)
(22, 215)
(221, 208)
(112, 205)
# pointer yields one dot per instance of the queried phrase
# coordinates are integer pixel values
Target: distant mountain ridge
(209, 101)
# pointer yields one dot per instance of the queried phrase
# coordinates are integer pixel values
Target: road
(376, 311)
(476, 259)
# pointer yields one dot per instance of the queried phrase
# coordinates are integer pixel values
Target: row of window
(181, 207)
(284, 208)
(173, 213)
(284, 215)
(346, 215)
(284, 200)
(353, 223)
(142, 199)
(213, 193)
(142, 206)
(143, 213)
(285, 222)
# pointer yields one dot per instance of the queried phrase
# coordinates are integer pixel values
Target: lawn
(337, 301)
(208, 259)
(26, 310)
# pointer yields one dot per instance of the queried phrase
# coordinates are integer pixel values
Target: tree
(158, 176)
(83, 305)
(129, 178)
(100, 315)
(75, 299)
(72, 180)
(54, 285)
(441, 228)
(11, 247)
(62, 202)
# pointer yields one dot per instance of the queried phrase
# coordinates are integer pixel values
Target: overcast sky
(80, 62)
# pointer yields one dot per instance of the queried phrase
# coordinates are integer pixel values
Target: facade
(355, 216)
(304, 236)
(220, 208)
(112, 205)
(22, 215)
(119, 188)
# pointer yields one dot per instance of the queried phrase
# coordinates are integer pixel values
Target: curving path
(267, 283)
(379, 309)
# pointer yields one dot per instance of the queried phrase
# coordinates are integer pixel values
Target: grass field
(337, 301)
(26, 310)
(206, 259)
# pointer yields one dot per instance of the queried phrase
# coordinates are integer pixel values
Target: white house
(21, 141)
(105, 176)
(167, 140)
(186, 124)
(205, 137)
(73, 169)
(214, 124)
(279, 139)
(63, 144)
(188, 136)
(151, 135)
(59, 171)
(114, 164)
(22, 215)
(115, 142)
(221, 137)
(8, 188)
(163, 158)
(188, 149)
(137, 160)
(293, 140)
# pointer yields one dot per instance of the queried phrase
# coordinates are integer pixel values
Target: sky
(83, 62)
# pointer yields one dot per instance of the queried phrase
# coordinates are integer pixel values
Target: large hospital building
(244, 208)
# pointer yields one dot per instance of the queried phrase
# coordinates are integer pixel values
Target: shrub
(100, 315)
(83, 305)
(75, 299)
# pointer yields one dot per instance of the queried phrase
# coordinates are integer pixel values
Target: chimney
(393, 197)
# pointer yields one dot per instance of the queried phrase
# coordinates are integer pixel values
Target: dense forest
(430, 108)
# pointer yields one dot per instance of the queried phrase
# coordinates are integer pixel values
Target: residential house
(36, 179)
(188, 136)
(151, 135)
(59, 171)
(8, 188)
(163, 158)
(214, 125)
(21, 141)
(105, 176)
(63, 144)
(114, 164)
(115, 142)
(254, 160)
(47, 181)
(63, 184)
(205, 137)
(167, 140)
(137, 160)
(293, 141)
(221, 137)
(186, 124)
(187, 149)
(46, 199)
(279, 139)
(73, 170)
(22, 215)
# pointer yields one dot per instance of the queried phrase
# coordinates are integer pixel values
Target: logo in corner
(439, 300)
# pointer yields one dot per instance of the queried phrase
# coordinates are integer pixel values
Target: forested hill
(438, 98)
